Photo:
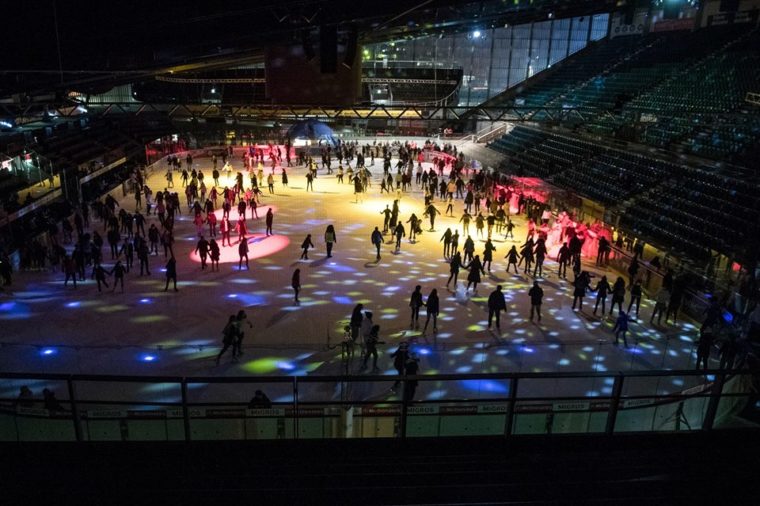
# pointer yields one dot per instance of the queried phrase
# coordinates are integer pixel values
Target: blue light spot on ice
(342, 299)
(489, 386)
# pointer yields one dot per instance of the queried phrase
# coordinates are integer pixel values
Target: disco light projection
(149, 318)
(14, 311)
(146, 301)
(484, 386)
(48, 352)
(148, 357)
(259, 246)
(70, 305)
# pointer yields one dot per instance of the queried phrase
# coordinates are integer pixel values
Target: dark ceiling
(105, 43)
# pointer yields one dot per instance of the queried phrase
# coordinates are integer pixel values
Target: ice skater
(295, 282)
(305, 245)
(415, 302)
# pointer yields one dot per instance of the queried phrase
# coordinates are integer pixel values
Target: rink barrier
(704, 406)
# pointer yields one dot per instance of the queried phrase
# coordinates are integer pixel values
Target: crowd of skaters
(485, 201)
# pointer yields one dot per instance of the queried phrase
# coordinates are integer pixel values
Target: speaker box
(328, 49)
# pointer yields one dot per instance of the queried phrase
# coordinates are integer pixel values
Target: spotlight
(148, 357)
(47, 352)
(476, 34)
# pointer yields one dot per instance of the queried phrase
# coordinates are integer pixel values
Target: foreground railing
(141, 408)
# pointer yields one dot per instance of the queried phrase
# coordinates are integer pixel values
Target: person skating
(225, 229)
(618, 295)
(295, 282)
(118, 275)
(237, 347)
(414, 226)
(399, 232)
(305, 245)
(171, 273)
(488, 254)
(510, 227)
(446, 239)
(242, 230)
(228, 338)
(536, 294)
(454, 265)
(580, 287)
(432, 307)
(330, 239)
(526, 255)
(356, 321)
(621, 328)
(387, 219)
(476, 269)
(660, 305)
(269, 221)
(431, 213)
(99, 275)
(202, 249)
(563, 258)
(465, 221)
(469, 249)
(540, 254)
(214, 254)
(399, 360)
(496, 304)
(415, 302)
(243, 249)
(704, 347)
(370, 348)
(512, 258)
(636, 292)
(377, 240)
(602, 290)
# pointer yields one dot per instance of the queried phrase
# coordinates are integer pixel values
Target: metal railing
(131, 408)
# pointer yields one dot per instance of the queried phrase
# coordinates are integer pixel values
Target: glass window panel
(599, 26)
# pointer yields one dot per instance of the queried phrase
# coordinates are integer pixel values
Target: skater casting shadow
(318, 263)
(552, 339)
(277, 317)
(372, 264)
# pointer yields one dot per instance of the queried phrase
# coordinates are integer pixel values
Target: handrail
(356, 378)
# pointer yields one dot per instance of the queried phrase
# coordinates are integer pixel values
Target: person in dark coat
(243, 253)
(432, 309)
(171, 273)
(536, 294)
(399, 361)
(706, 340)
(415, 302)
(476, 269)
(356, 321)
(635, 297)
(621, 327)
(305, 245)
(602, 290)
(454, 265)
(295, 282)
(618, 295)
(496, 304)
(580, 286)
(377, 241)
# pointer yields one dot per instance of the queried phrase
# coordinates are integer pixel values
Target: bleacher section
(593, 61)
(676, 90)
(699, 110)
(685, 208)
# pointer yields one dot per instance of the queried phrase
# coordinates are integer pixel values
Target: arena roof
(91, 46)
